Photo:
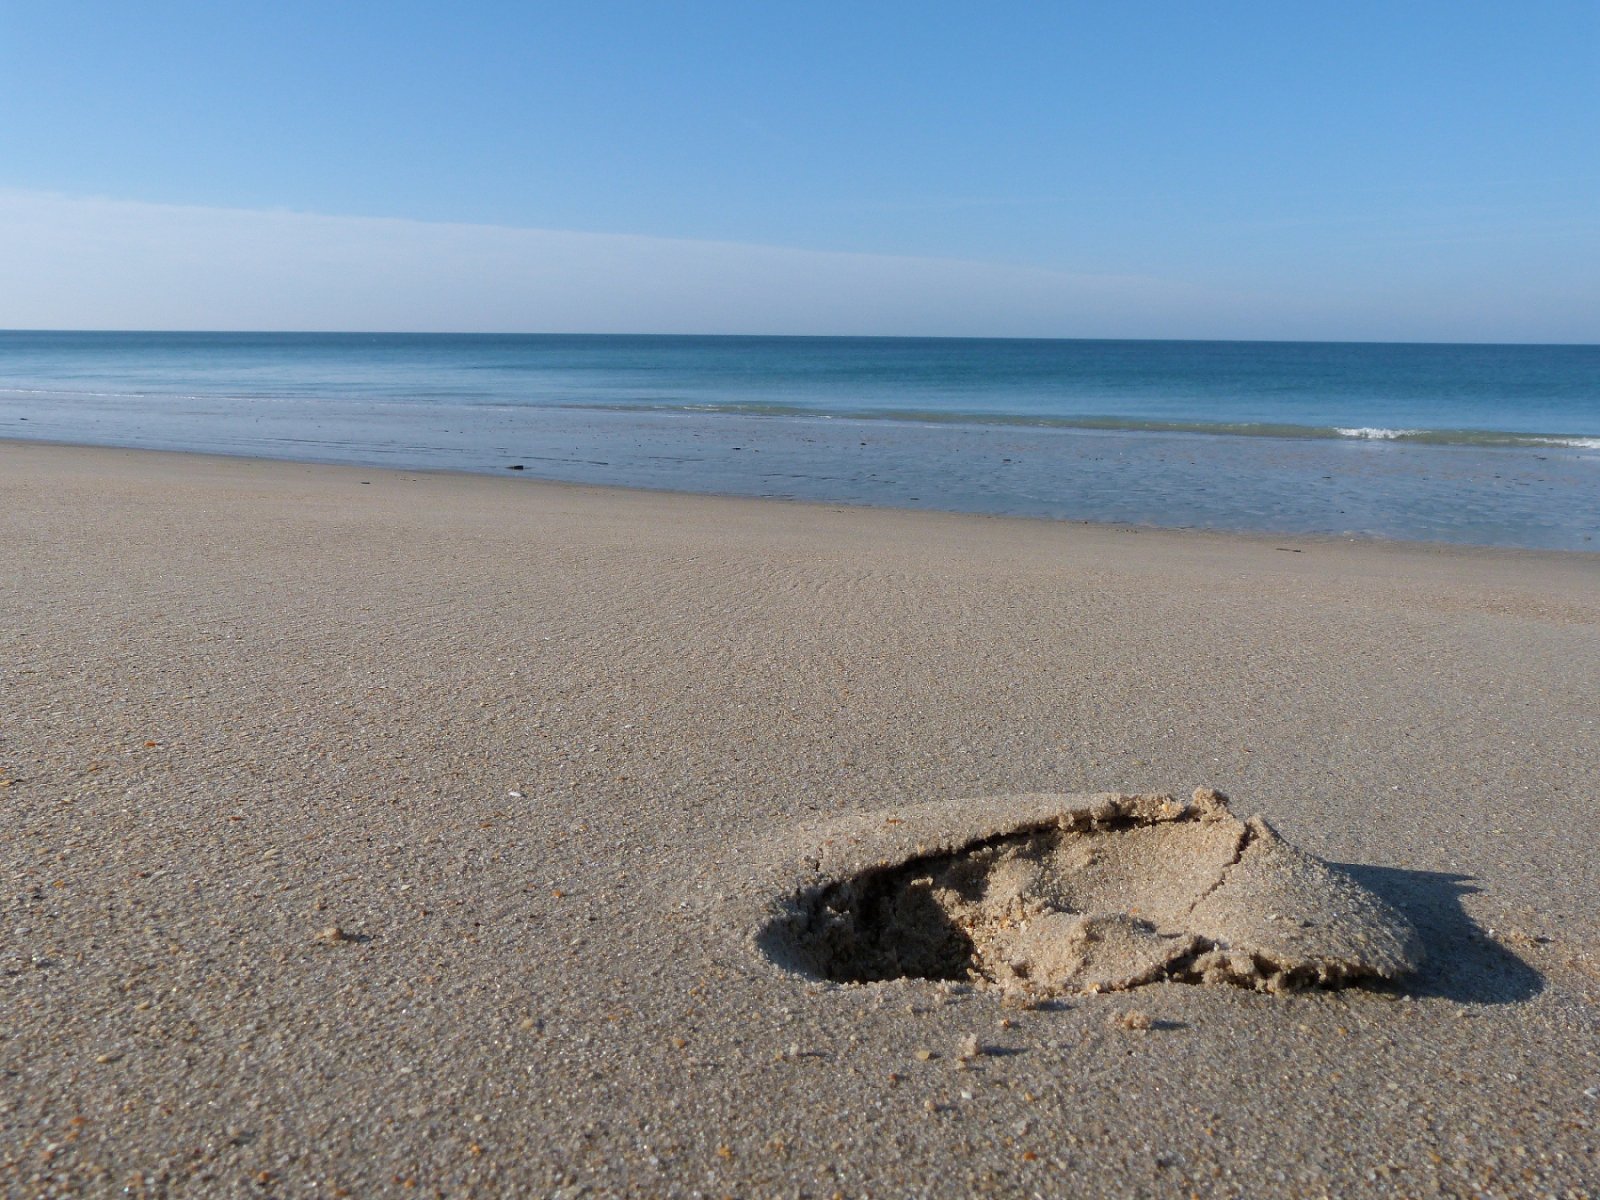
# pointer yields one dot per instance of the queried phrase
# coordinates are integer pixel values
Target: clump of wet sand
(1105, 893)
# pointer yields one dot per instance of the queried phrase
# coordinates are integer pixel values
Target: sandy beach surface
(373, 833)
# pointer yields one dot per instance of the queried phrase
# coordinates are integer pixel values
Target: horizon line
(812, 337)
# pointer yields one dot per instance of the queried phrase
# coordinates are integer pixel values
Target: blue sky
(1398, 170)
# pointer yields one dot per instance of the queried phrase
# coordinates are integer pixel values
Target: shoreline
(1334, 441)
(526, 479)
(535, 755)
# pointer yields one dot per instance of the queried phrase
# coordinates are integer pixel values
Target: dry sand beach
(374, 833)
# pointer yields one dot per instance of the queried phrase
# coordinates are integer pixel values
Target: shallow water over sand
(1475, 445)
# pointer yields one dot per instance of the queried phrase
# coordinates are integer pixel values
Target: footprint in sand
(1097, 894)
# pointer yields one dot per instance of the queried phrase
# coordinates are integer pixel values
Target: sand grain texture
(541, 755)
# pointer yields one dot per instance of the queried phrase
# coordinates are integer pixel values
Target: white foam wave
(1575, 443)
(1374, 433)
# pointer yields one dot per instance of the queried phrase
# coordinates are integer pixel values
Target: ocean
(1470, 444)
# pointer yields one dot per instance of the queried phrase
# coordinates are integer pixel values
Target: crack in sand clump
(1107, 894)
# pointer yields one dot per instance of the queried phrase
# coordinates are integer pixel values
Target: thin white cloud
(70, 262)
(83, 263)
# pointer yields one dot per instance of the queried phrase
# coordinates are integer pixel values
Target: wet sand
(371, 833)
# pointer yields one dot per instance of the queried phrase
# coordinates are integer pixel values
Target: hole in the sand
(1125, 891)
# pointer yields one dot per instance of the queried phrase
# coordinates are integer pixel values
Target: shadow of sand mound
(1102, 893)
(1465, 964)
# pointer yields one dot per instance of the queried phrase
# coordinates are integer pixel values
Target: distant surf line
(1113, 424)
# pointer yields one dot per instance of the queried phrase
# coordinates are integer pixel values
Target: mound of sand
(1104, 893)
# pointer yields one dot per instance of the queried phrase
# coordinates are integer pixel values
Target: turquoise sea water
(1475, 444)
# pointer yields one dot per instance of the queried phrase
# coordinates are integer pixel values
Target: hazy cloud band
(80, 263)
